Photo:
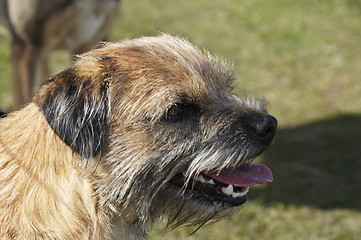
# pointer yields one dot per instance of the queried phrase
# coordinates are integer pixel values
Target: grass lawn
(304, 59)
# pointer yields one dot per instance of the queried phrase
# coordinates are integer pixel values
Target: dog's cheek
(77, 111)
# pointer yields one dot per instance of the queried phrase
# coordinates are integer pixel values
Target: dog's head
(159, 116)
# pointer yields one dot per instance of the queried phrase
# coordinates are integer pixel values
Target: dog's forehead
(167, 64)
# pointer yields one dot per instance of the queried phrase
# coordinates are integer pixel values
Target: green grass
(5, 94)
(304, 59)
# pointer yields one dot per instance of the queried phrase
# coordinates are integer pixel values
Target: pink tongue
(244, 176)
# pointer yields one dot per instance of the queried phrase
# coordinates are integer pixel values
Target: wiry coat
(92, 156)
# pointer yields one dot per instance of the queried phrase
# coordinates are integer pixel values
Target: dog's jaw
(227, 188)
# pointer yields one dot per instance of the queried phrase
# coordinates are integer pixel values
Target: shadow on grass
(316, 164)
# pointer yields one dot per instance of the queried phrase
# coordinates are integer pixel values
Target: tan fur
(94, 154)
(43, 188)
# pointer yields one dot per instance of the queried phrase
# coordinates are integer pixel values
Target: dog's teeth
(235, 194)
(240, 194)
(245, 191)
(211, 182)
(228, 190)
(201, 179)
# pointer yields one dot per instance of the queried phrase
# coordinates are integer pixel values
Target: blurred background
(304, 58)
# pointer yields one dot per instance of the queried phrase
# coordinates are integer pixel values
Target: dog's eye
(179, 111)
(175, 113)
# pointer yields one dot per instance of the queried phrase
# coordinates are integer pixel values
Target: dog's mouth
(223, 186)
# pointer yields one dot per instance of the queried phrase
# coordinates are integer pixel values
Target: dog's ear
(75, 103)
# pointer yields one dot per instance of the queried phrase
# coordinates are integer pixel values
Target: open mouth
(223, 186)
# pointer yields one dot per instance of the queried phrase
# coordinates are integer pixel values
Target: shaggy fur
(99, 152)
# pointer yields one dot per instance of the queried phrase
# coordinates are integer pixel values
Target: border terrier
(133, 133)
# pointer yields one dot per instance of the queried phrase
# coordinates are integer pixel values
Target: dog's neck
(32, 144)
(39, 168)
(38, 156)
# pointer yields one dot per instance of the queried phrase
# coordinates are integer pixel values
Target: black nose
(264, 129)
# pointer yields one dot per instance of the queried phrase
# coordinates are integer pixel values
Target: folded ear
(75, 103)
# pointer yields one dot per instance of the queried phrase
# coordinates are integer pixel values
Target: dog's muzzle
(231, 186)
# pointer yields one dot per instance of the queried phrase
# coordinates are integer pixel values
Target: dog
(38, 27)
(135, 132)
